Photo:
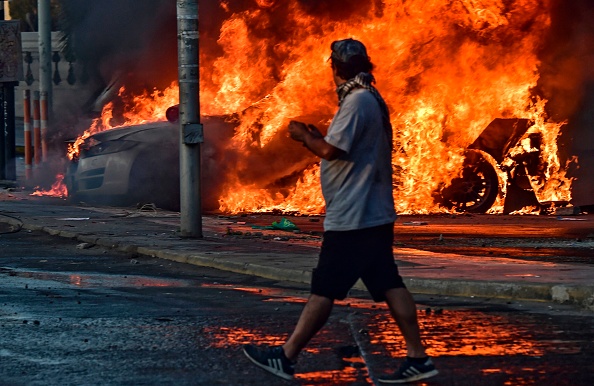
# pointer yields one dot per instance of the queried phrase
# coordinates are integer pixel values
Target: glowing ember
(58, 189)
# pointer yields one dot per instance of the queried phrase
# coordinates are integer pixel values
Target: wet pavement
(436, 254)
(72, 315)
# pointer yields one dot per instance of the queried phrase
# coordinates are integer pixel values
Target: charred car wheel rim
(476, 189)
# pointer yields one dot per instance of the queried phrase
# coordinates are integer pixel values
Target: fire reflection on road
(471, 333)
(454, 332)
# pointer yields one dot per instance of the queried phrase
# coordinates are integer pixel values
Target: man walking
(356, 177)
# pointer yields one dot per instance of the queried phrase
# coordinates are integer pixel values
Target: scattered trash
(566, 211)
(73, 219)
(283, 224)
(84, 246)
(149, 207)
(415, 223)
(570, 219)
(232, 232)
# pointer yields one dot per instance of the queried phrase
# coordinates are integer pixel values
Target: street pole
(191, 133)
(45, 49)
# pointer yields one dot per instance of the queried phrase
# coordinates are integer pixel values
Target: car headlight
(107, 147)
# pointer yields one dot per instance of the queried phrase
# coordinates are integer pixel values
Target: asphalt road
(71, 316)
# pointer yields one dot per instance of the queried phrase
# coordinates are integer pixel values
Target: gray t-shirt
(357, 187)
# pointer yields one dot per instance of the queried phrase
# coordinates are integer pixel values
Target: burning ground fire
(446, 70)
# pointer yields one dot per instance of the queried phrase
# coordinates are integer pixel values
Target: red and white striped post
(27, 132)
(44, 120)
(36, 128)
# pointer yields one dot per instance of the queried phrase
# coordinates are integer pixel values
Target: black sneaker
(410, 372)
(271, 359)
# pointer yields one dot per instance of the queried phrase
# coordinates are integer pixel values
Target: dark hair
(352, 68)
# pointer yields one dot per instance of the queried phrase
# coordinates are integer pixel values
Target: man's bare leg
(403, 309)
(312, 319)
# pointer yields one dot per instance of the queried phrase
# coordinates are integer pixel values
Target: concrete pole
(191, 134)
(45, 49)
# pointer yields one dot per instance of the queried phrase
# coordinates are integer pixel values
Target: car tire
(477, 188)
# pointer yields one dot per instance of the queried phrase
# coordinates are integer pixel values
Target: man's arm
(313, 140)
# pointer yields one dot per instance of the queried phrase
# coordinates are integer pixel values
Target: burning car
(444, 68)
(507, 161)
(139, 164)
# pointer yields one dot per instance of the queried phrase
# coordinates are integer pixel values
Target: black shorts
(347, 256)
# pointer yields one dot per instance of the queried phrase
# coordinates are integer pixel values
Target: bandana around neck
(365, 80)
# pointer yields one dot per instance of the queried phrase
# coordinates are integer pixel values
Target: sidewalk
(232, 243)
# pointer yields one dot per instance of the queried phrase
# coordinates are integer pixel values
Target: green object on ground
(283, 224)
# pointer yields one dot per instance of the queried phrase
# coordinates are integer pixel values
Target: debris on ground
(283, 224)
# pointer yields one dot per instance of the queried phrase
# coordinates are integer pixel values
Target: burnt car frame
(507, 147)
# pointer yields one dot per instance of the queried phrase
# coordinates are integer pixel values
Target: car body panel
(109, 176)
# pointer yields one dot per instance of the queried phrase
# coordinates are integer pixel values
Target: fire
(446, 70)
(58, 189)
(138, 109)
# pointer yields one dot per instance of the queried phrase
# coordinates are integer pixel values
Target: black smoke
(567, 82)
(567, 56)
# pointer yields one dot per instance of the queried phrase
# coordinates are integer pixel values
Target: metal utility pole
(191, 132)
(45, 49)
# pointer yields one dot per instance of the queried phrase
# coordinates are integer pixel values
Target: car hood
(144, 131)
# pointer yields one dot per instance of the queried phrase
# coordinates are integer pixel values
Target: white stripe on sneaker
(411, 371)
(274, 363)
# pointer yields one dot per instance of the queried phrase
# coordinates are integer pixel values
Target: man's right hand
(313, 139)
(298, 131)
(314, 131)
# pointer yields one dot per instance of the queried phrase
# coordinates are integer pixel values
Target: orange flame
(446, 70)
(138, 109)
(58, 189)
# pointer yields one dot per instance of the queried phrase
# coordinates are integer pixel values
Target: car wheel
(476, 189)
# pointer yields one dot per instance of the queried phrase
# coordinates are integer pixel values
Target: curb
(579, 295)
